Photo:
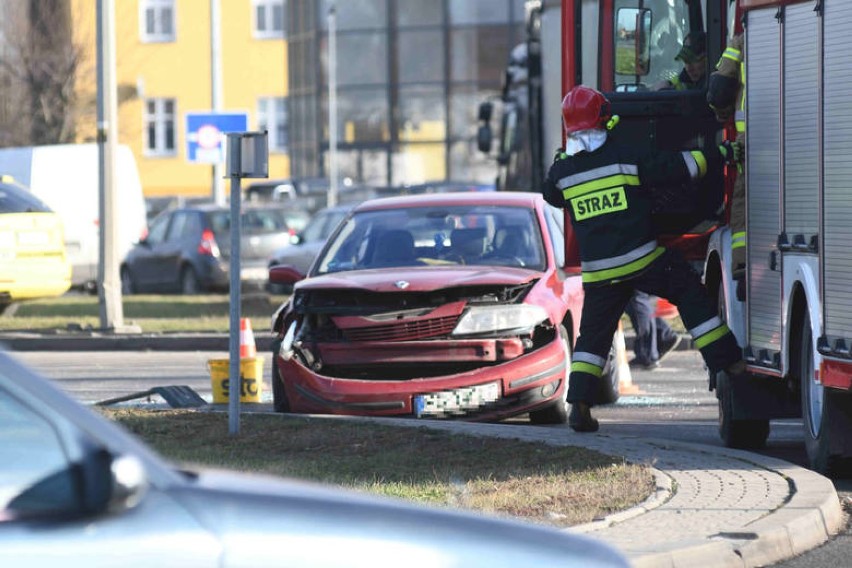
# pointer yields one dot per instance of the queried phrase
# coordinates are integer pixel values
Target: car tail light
(291, 232)
(208, 245)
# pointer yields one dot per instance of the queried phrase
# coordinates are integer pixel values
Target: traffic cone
(248, 348)
(622, 367)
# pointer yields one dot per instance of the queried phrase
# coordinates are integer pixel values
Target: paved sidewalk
(713, 507)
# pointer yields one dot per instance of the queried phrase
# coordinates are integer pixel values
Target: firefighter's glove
(732, 152)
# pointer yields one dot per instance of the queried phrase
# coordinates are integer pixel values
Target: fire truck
(795, 323)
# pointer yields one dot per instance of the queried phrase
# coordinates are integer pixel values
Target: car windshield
(482, 235)
(257, 221)
(16, 199)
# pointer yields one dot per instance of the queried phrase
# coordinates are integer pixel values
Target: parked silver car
(304, 247)
(77, 490)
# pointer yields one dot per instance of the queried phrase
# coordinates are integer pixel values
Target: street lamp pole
(109, 290)
(216, 97)
(332, 105)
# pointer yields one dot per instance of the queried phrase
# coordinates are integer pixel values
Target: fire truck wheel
(742, 434)
(557, 413)
(826, 415)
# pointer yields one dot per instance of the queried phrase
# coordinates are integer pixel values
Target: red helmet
(584, 108)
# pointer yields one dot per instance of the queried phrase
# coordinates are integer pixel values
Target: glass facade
(410, 76)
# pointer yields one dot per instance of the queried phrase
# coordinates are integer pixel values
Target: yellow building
(163, 72)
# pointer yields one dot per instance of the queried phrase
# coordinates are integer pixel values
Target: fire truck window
(644, 61)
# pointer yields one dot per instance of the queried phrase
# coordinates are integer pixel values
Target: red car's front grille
(406, 325)
(405, 330)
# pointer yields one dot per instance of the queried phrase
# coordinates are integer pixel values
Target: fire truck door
(763, 159)
(837, 228)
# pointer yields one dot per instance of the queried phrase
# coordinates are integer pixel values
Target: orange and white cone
(248, 348)
(622, 367)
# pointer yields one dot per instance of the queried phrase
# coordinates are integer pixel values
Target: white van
(65, 177)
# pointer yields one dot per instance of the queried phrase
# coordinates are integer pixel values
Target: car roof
(506, 198)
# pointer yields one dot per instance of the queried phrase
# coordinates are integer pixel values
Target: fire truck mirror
(632, 48)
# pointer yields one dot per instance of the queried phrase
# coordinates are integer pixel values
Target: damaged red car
(434, 306)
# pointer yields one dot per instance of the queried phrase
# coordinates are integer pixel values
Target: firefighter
(725, 89)
(606, 189)
(693, 54)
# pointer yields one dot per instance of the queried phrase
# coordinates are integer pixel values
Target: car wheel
(128, 286)
(189, 281)
(557, 411)
(279, 396)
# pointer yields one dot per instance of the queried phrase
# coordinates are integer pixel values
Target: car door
(45, 461)
(144, 259)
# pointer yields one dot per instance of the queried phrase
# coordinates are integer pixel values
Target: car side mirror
(100, 483)
(284, 274)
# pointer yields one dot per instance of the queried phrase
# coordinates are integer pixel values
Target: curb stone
(726, 508)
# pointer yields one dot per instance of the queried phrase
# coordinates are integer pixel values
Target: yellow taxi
(33, 263)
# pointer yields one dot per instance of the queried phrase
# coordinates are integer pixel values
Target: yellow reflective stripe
(733, 53)
(740, 124)
(711, 336)
(583, 367)
(738, 240)
(602, 183)
(701, 161)
(625, 270)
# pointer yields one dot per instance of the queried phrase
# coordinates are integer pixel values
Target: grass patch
(559, 486)
(153, 313)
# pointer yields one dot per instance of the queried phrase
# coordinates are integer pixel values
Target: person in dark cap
(693, 54)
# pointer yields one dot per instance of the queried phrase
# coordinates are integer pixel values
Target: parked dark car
(187, 249)
(76, 490)
(304, 247)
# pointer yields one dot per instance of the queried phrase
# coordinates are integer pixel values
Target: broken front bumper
(524, 381)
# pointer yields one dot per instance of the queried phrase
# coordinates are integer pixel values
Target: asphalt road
(671, 402)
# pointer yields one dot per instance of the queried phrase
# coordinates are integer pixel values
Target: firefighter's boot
(581, 419)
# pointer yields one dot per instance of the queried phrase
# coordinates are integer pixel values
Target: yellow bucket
(251, 379)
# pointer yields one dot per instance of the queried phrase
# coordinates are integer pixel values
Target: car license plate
(456, 401)
(259, 273)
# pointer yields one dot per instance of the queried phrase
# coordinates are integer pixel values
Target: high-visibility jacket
(728, 82)
(608, 195)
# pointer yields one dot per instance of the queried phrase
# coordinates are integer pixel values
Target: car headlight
(490, 319)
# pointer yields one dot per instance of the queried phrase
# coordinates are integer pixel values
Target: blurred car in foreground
(187, 249)
(77, 490)
(447, 305)
(33, 259)
(304, 246)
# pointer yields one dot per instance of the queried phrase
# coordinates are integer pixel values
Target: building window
(272, 117)
(269, 18)
(157, 20)
(160, 127)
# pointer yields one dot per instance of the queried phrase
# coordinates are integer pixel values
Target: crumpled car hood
(420, 279)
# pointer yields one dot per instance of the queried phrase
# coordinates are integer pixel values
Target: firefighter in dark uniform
(606, 189)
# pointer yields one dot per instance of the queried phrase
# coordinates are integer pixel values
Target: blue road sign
(205, 134)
